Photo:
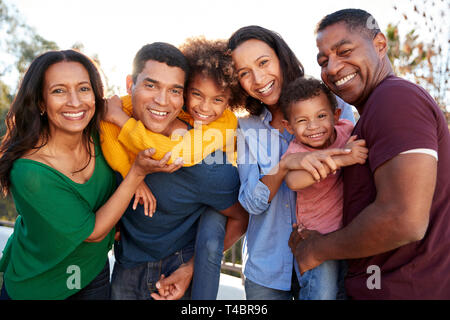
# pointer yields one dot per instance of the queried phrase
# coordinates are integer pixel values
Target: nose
(204, 106)
(259, 76)
(312, 124)
(333, 67)
(73, 99)
(161, 98)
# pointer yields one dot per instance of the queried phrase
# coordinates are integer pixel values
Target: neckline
(88, 182)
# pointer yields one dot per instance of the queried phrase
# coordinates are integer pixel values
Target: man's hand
(144, 163)
(301, 244)
(174, 286)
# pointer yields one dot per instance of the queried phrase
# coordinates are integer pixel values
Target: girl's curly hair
(212, 59)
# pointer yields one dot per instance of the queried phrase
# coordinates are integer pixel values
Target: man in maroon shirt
(396, 235)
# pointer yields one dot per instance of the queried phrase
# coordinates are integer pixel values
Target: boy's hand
(359, 151)
(145, 197)
(318, 163)
(114, 112)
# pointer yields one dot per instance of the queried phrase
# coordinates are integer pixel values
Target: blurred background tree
(422, 54)
(19, 45)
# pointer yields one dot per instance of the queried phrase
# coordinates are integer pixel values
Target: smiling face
(259, 71)
(351, 63)
(312, 122)
(68, 97)
(205, 101)
(157, 96)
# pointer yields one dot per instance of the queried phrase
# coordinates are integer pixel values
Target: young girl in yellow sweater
(212, 92)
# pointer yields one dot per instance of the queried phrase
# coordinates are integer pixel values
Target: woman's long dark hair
(291, 67)
(25, 124)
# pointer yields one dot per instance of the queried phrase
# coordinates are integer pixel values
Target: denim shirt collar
(266, 116)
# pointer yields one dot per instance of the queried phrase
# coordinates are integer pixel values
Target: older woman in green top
(63, 189)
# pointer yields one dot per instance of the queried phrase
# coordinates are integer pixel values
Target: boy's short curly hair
(212, 59)
(303, 89)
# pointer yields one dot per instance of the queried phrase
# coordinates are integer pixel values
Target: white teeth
(316, 135)
(267, 87)
(345, 79)
(73, 115)
(202, 116)
(158, 113)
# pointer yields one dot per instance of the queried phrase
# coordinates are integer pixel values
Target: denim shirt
(267, 258)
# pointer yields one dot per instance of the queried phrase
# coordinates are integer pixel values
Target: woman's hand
(145, 197)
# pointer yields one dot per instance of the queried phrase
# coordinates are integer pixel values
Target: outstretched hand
(145, 164)
(318, 163)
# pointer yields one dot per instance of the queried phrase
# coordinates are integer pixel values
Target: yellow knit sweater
(120, 146)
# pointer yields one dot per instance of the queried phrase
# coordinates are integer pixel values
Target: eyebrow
(334, 47)
(262, 56)
(216, 96)
(63, 85)
(148, 79)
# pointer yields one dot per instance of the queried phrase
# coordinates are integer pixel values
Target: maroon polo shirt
(400, 116)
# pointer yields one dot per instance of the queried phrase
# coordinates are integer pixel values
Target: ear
(287, 126)
(337, 114)
(41, 107)
(380, 44)
(129, 84)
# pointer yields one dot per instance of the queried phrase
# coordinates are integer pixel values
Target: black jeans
(97, 289)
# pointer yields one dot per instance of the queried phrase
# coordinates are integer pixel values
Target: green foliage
(7, 209)
(5, 101)
(19, 42)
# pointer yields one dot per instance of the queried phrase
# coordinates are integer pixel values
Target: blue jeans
(139, 282)
(208, 255)
(3, 294)
(325, 282)
(254, 291)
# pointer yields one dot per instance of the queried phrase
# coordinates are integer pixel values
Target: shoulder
(344, 126)
(400, 103)
(294, 147)
(249, 122)
(29, 176)
(230, 118)
(400, 93)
